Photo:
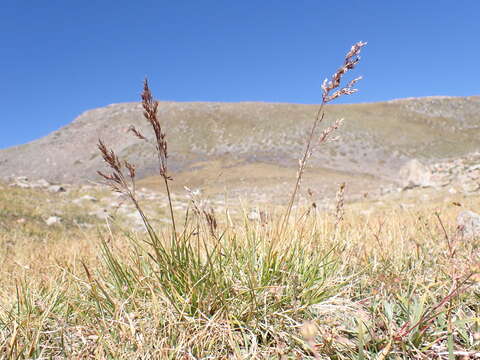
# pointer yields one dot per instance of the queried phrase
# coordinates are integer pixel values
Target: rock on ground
(414, 174)
(52, 220)
(469, 224)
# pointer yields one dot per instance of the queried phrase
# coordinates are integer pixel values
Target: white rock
(21, 185)
(414, 174)
(469, 186)
(253, 215)
(56, 188)
(474, 167)
(52, 220)
(469, 223)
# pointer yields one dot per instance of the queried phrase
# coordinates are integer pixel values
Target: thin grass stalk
(351, 60)
(302, 163)
(171, 209)
(150, 107)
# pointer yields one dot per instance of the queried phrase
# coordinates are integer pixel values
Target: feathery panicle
(131, 169)
(150, 107)
(109, 157)
(116, 179)
(326, 133)
(340, 203)
(351, 60)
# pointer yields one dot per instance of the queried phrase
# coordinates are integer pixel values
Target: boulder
(468, 223)
(414, 174)
(20, 181)
(470, 186)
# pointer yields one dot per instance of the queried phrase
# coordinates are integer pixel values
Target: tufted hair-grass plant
(190, 269)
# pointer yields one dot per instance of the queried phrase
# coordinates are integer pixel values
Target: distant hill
(376, 139)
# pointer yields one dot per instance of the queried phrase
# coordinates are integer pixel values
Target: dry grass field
(389, 283)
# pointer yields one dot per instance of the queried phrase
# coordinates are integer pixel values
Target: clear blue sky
(62, 57)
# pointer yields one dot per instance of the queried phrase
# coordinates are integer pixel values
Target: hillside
(240, 142)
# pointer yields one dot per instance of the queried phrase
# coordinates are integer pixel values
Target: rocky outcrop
(414, 174)
(460, 174)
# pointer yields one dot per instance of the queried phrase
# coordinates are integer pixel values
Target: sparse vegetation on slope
(377, 139)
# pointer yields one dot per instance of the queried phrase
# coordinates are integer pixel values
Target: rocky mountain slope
(259, 141)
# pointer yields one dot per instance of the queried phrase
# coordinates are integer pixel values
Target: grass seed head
(150, 107)
(351, 60)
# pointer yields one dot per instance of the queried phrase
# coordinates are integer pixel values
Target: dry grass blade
(200, 208)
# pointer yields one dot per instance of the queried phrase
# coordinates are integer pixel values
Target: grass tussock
(293, 284)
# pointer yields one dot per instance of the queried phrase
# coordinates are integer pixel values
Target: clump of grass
(347, 287)
(234, 278)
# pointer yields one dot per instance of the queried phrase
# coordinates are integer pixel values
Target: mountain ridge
(376, 140)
